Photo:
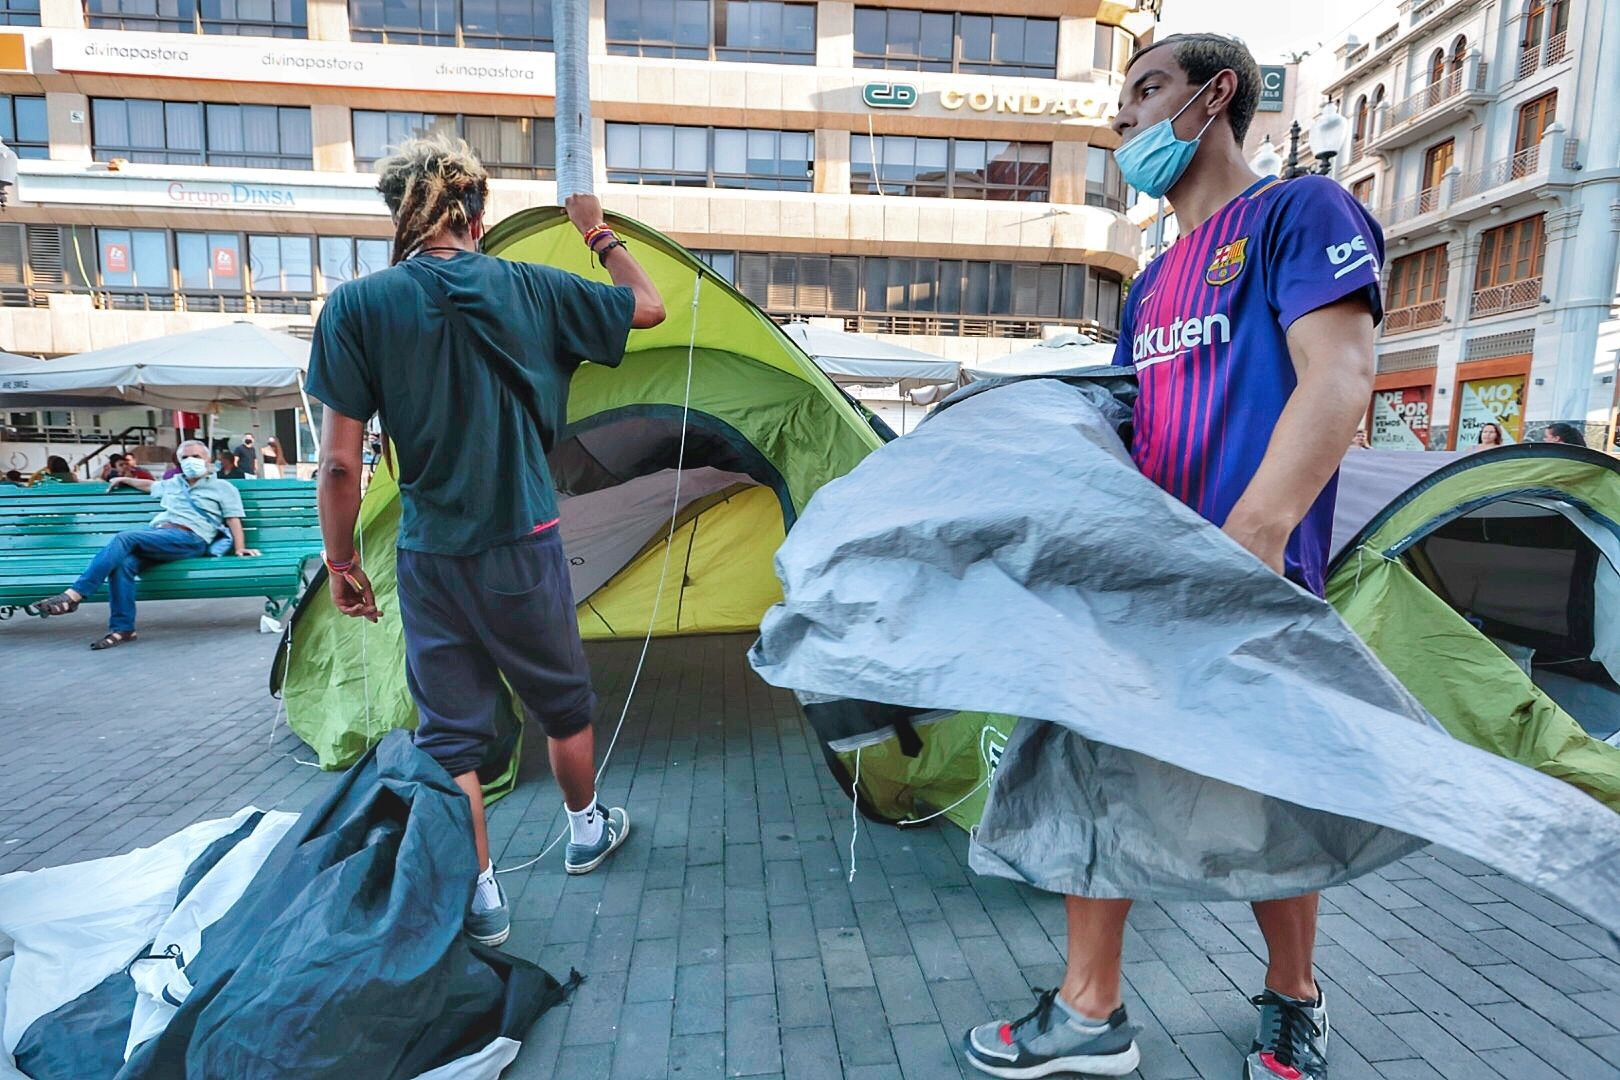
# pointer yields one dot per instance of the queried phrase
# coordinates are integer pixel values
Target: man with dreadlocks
(466, 360)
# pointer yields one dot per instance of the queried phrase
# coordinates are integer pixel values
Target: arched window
(1378, 97)
(1437, 67)
(1459, 52)
(1361, 118)
(1535, 12)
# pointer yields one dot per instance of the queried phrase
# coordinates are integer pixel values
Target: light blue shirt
(203, 509)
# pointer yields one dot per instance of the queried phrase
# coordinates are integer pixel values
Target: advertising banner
(1498, 401)
(1400, 418)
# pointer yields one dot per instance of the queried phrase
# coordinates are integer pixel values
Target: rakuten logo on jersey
(1157, 344)
(1339, 254)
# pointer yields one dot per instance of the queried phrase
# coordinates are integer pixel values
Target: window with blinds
(197, 133)
(510, 147)
(809, 285)
(950, 168)
(679, 156)
(245, 18)
(904, 40)
(470, 24)
(759, 31)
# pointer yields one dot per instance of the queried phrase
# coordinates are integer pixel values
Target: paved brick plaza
(724, 939)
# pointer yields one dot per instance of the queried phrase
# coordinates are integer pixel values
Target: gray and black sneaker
(1054, 1039)
(1291, 1043)
(490, 927)
(583, 858)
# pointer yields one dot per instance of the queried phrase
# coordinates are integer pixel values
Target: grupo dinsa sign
(47, 182)
(1087, 103)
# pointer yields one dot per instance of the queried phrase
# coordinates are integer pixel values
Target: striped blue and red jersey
(1206, 328)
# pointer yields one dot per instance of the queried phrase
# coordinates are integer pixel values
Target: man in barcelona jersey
(1252, 337)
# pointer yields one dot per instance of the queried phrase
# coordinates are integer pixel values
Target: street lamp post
(1327, 138)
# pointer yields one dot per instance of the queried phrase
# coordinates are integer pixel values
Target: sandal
(60, 604)
(113, 640)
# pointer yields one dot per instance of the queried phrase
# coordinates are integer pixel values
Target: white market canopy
(857, 358)
(239, 365)
(1062, 353)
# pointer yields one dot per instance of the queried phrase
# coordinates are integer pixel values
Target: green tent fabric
(765, 428)
(1524, 529)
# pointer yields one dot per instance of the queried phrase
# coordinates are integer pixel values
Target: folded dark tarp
(330, 947)
(1198, 727)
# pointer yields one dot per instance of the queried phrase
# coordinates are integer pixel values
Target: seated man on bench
(198, 511)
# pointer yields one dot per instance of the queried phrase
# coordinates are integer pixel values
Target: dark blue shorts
(470, 619)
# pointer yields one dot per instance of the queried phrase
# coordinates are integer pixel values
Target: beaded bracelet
(595, 231)
(596, 243)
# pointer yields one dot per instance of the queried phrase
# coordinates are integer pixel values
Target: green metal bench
(48, 535)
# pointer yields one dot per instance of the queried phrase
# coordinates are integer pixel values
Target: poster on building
(115, 258)
(1400, 419)
(224, 262)
(1498, 401)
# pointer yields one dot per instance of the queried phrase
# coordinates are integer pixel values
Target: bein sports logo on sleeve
(1340, 254)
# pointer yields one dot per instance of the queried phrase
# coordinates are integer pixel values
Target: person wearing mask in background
(196, 509)
(246, 456)
(1564, 434)
(466, 360)
(1252, 341)
(270, 460)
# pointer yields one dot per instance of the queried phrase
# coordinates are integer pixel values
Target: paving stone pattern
(725, 939)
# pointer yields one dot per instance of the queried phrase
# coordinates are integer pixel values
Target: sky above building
(1273, 29)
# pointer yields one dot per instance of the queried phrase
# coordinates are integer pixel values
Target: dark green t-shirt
(471, 469)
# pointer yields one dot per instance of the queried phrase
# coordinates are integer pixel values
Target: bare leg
(1289, 927)
(468, 782)
(1096, 940)
(573, 763)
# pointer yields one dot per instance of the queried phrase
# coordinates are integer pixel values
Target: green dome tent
(764, 429)
(1488, 583)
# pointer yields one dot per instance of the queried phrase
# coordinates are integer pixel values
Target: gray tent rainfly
(1195, 726)
(856, 358)
(1066, 352)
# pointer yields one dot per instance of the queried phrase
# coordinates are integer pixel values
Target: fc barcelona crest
(1228, 262)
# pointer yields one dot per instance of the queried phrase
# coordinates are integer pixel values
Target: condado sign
(282, 60)
(1091, 104)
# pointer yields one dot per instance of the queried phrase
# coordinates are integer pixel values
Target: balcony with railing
(1425, 201)
(1532, 58)
(1433, 106)
(1504, 182)
(1525, 163)
(1414, 317)
(1508, 296)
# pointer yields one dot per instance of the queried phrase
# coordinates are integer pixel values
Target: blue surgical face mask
(193, 467)
(1154, 160)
